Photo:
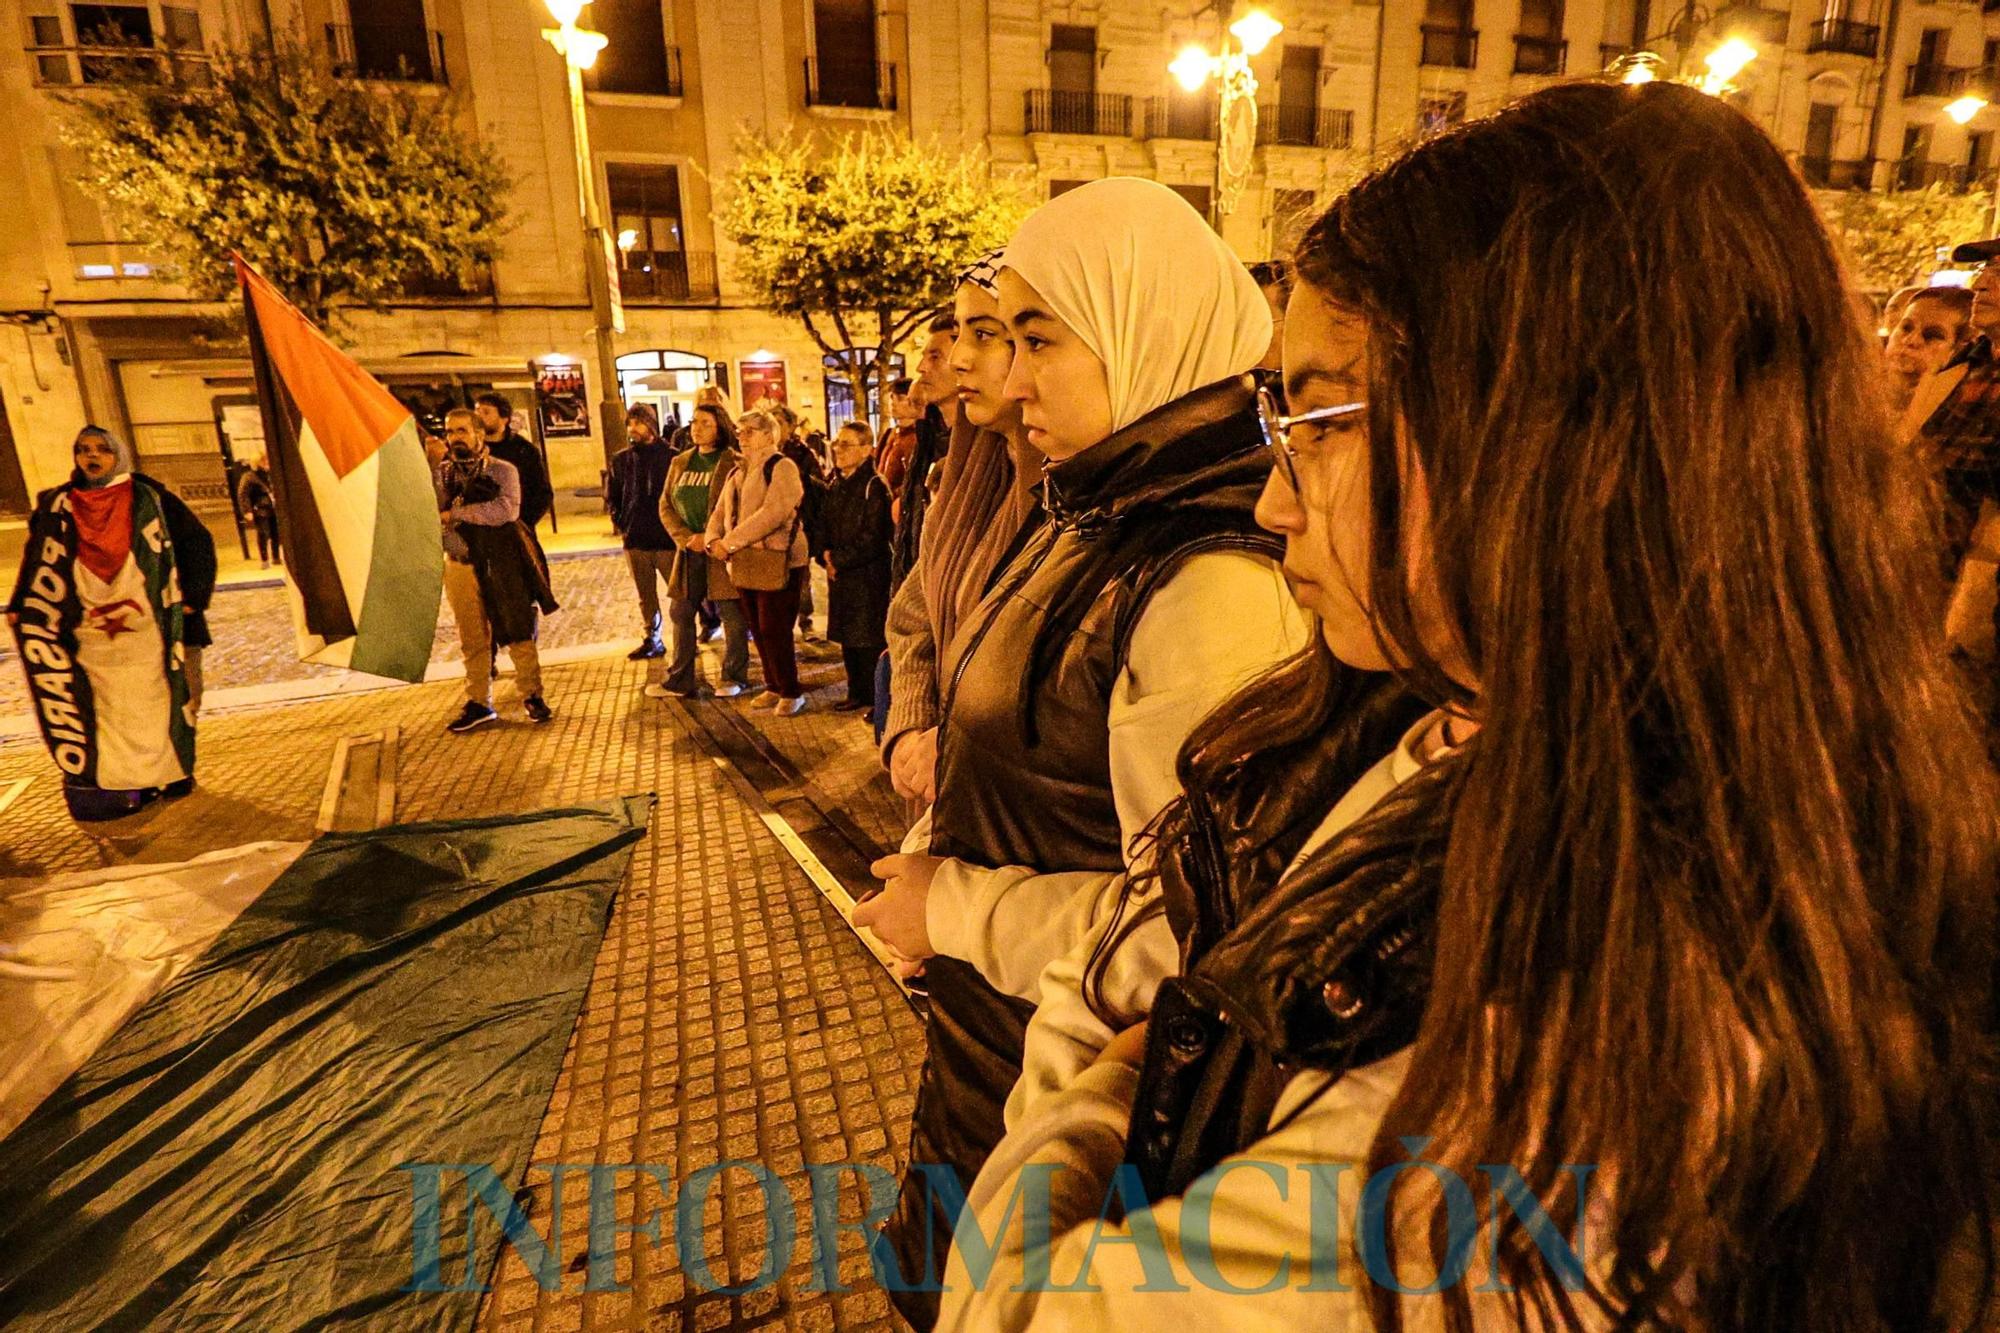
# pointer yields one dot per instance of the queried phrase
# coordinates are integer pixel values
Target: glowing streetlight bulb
(1192, 67)
(1965, 108)
(1725, 62)
(1255, 31)
(565, 11)
(628, 238)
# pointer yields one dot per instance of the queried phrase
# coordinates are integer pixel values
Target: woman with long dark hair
(1681, 903)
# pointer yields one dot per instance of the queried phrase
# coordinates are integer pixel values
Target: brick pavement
(731, 1015)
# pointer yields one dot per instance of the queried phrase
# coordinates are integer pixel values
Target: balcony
(1451, 48)
(1057, 111)
(1845, 37)
(1917, 175)
(100, 261)
(398, 52)
(1826, 173)
(632, 74)
(667, 276)
(475, 282)
(70, 66)
(1304, 126)
(1540, 55)
(851, 85)
(1945, 81)
(1182, 118)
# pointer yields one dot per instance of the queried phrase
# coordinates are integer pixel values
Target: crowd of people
(1391, 716)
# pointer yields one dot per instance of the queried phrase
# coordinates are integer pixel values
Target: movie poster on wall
(763, 382)
(561, 401)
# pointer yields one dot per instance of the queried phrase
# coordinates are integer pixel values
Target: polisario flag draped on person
(362, 554)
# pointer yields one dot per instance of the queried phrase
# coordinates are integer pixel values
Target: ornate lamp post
(579, 48)
(1237, 86)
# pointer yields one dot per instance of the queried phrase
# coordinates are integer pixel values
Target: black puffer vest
(1325, 968)
(1024, 766)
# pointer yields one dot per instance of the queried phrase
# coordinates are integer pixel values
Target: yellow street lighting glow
(628, 238)
(1727, 61)
(1639, 73)
(1965, 108)
(1255, 31)
(584, 46)
(565, 11)
(1192, 67)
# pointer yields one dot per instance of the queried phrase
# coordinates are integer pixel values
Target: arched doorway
(665, 379)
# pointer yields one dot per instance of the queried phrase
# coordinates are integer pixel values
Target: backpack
(813, 502)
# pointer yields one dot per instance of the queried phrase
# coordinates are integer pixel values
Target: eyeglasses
(1278, 428)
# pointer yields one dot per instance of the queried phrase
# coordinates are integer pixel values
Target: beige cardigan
(755, 514)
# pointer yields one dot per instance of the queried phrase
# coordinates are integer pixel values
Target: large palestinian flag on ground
(357, 516)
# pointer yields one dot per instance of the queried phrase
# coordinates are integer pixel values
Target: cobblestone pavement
(254, 643)
(732, 1014)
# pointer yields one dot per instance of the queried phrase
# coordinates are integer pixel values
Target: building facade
(1054, 93)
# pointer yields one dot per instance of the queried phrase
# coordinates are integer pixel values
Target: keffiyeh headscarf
(984, 271)
(1152, 291)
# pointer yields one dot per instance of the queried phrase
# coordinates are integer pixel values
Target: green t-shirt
(691, 493)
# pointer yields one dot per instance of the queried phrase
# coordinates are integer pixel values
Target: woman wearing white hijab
(1144, 597)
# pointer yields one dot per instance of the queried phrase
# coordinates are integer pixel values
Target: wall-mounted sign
(560, 400)
(763, 382)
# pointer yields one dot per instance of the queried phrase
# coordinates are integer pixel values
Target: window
(1539, 47)
(1991, 55)
(1059, 188)
(1821, 123)
(1298, 77)
(1198, 196)
(1439, 112)
(1978, 155)
(1931, 50)
(843, 72)
(637, 58)
(646, 225)
(1073, 59)
(388, 39)
(183, 28)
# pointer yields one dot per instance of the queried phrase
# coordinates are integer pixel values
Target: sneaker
(472, 717)
(649, 649)
(708, 632)
(665, 691)
(538, 712)
(729, 689)
(178, 788)
(790, 707)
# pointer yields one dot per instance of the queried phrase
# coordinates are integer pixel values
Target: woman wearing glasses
(1672, 925)
(1142, 598)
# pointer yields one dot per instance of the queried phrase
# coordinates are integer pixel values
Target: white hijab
(1152, 291)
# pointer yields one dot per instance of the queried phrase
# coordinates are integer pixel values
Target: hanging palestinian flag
(356, 510)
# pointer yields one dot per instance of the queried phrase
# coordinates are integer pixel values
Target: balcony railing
(1935, 80)
(1832, 173)
(403, 52)
(1453, 48)
(65, 66)
(1916, 175)
(640, 77)
(1304, 126)
(475, 282)
(99, 261)
(857, 85)
(1181, 118)
(668, 275)
(1540, 55)
(1055, 111)
(1846, 37)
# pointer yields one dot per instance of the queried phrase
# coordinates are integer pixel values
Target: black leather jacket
(1327, 967)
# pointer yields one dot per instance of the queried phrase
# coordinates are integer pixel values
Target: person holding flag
(109, 614)
(494, 574)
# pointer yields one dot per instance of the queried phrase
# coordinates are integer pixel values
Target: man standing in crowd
(892, 460)
(496, 422)
(936, 393)
(494, 574)
(638, 474)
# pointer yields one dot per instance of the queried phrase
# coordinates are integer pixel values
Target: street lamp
(579, 48)
(1237, 86)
